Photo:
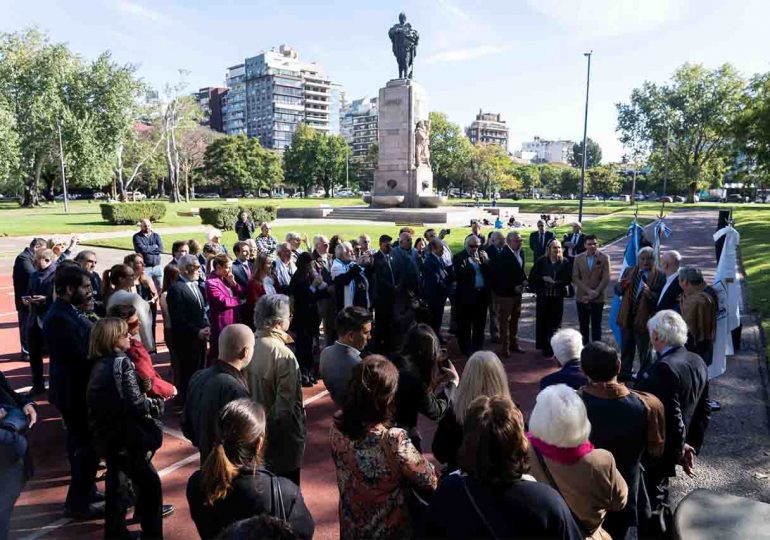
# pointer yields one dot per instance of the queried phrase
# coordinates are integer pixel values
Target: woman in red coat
(224, 296)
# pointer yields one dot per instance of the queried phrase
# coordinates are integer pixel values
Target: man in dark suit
(383, 295)
(626, 423)
(508, 280)
(669, 295)
(337, 361)
(539, 240)
(472, 276)
(436, 283)
(67, 333)
(241, 264)
(494, 248)
(212, 388)
(87, 261)
(23, 268)
(574, 242)
(679, 379)
(189, 325)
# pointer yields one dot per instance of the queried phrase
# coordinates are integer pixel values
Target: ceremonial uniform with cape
(729, 294)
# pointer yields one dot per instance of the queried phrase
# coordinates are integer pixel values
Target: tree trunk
(31, 190)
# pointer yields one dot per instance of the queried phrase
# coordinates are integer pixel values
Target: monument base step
(450, 215)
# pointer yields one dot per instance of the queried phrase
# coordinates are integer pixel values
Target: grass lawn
(754, 227)
(85, 216)
(606, 228)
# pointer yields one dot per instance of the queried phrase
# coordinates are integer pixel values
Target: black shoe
(36, 391)
(313, 378)
(24, 357)
(166, 510)
(93, 511)
(97, 497)
(306, 382)
(714, 405)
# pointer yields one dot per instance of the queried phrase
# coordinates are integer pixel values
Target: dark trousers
(189, 355)
(36, 349)
(124, 472)
(436, 308)
(471, 319)
(11, 480)
(303, 349)
(548, 314)
(590, 315)
(83, 461)
(23, 315)
(659, 524)
(383, 327)
(634, 344)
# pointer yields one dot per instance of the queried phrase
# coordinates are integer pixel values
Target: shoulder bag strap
(279, 511)
(478, 510)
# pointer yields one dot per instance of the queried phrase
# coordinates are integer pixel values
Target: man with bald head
(149, 245)
(214, 387)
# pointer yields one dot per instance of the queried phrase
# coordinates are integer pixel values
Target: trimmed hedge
(131, 213)
(224, 217)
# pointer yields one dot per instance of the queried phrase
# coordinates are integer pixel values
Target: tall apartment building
(488, 128)
(210, 100)
(359, 127)
(337, 105)
(272, 93)
(549, 151)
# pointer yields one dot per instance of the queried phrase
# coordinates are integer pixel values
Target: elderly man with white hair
(214, 245)
(567, 344)
(275, 382)
(561, 455)
(679, 379)
(670, 262)
(640, 288)
(350, 284)
(283, 267)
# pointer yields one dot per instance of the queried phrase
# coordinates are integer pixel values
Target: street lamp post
(665, 166)
(585, 138)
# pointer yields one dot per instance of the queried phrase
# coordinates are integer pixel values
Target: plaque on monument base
(403, 176)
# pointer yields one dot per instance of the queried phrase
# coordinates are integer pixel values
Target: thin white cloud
(452, 9)
(605, 18)
(460, 55)
(139, 11)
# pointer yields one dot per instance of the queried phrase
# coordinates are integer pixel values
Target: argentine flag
(661, 231)
(634, 234)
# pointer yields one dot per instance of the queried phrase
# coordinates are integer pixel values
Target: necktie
(390, 267)
(541, 241)
(194, 288)
(247, 270)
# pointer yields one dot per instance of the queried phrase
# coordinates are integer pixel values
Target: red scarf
(565, 456)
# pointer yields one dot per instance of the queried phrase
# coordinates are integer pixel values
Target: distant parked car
(666, 199)
(207, 195)
(679, 199)
(639, 197)
(735, 198)
(99, 195)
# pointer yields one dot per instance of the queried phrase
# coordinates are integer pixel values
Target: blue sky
(522, 58)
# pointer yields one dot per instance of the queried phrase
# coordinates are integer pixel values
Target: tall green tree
(299, 159)
(752, 130)
(489, 168)
(695, 112)
(331, 154)
(528, 175)
(9, 148)
(450, 151)
(593, 157)
(238, 164)
(604, 180)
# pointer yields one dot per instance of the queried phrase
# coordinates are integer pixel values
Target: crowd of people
(246, 332)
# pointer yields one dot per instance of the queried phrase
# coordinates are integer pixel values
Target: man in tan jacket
(590, 276)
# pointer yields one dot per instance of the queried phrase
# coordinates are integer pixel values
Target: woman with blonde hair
(549, 278)
(561, 456)
(122, 420)
(483, 375)
(233, 485)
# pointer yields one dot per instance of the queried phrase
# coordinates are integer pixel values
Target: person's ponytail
(218, 475)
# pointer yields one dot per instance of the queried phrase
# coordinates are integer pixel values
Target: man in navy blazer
(436, 284)
(539, 240)
(669, 295)
(67, 333)
(567, 344)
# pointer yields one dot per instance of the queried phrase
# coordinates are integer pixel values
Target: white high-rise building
(272, 93)
(548, 151)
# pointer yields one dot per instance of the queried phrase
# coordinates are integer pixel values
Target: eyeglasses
(91, 261)
(474, 246)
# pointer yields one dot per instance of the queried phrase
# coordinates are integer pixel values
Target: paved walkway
(737, 445)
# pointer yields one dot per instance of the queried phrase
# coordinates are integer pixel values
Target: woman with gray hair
(276, 383)
(561, 455)
(567, 345)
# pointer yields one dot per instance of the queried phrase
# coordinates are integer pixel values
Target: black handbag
(279, 510)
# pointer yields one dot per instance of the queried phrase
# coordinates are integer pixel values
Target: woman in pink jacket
(224, 295)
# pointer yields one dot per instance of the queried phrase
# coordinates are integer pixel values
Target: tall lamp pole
(665, 167)
(585, 137)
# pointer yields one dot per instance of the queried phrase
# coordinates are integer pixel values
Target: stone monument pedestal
(401, 179)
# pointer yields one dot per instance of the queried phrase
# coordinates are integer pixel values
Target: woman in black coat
(422, 368)
(123, 426)
(233, 486)
(548, 279)
(306, 288)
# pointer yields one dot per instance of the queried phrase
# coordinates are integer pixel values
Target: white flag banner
(729, 294)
